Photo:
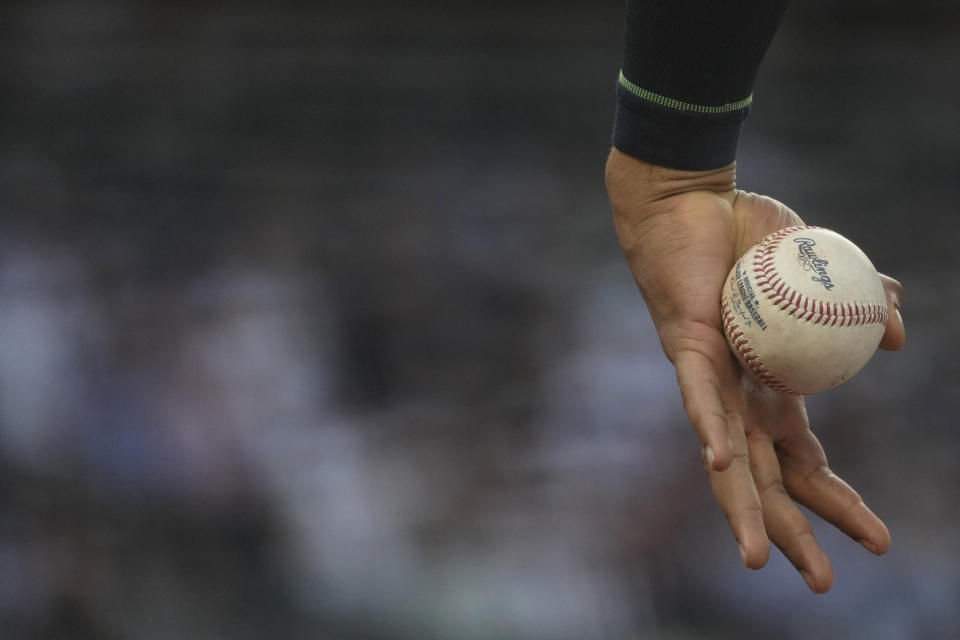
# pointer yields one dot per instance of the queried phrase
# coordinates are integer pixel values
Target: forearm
(687, 78)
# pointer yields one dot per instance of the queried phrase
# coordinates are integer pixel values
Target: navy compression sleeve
(687, 78)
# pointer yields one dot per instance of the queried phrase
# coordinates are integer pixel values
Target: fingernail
(808, 579)
(709, 456)
(869, 546)
(743, 554)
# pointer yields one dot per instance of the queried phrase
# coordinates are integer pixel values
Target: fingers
(786, 526)
(703, 402)
(737, 496)
(725, 449)
(810, 482)
(895, 335)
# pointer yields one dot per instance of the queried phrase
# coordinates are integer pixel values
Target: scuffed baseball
(803, 310)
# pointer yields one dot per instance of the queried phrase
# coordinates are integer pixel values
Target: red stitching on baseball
(801, 307)
(748, 357)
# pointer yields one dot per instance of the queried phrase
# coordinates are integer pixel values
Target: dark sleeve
(687, 78)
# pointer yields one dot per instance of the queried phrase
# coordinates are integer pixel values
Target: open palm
(681, 233)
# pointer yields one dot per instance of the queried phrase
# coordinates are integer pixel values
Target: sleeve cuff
(678, 138)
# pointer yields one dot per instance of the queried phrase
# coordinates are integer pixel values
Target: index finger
(700, 386)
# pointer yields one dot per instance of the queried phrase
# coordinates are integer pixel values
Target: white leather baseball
(803, 310)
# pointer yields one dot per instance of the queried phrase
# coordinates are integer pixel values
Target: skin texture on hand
(681, 232)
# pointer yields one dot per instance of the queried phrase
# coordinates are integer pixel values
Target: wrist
(634, 185)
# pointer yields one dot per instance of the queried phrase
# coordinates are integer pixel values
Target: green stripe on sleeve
(679, 105)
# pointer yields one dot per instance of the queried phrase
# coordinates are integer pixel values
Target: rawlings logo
(810, 261)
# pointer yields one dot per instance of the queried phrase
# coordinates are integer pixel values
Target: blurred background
(313, 325)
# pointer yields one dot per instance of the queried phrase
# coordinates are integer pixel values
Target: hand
(682, 232)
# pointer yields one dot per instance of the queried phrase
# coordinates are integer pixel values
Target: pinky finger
(895, 335)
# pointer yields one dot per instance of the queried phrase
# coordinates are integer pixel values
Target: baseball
(804, 310)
